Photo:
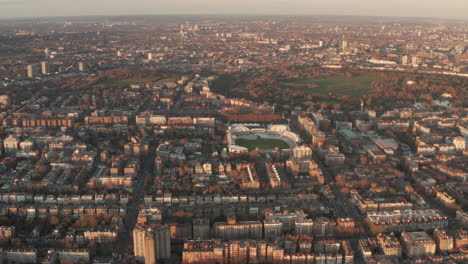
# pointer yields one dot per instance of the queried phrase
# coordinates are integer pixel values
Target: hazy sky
(414, 8)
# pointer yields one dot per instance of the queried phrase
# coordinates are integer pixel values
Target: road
(344, 207)
(133, 207)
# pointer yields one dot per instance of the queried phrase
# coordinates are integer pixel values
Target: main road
(133, 207)
(344, 207)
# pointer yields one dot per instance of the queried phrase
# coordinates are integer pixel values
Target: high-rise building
(81, 67)
(162, 237)
(344, 45)
(30, 69)
(150, 56)
(404, 60)
(45, 67)
(139, 243)
(320, 43)
(47, 53)
(415, 61)
(149, 248)
(201, 228)
(152, 244)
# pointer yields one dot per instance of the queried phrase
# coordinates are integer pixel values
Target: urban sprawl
(327, 140)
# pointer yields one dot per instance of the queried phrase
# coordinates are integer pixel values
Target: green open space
(133, 80)
(354, 86)
(251, 144)
(127, 81)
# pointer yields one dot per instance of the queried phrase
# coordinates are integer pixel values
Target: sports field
(354, 86)
(251, 144)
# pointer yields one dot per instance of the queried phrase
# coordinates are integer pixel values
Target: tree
(324, 105)
(340, 180)
(391, 191)
(53, 220)
(254, 154)
(345, 190)
(92, 221)
(86, 220)
(363, 184)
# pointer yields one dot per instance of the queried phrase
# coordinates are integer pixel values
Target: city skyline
(451, 9)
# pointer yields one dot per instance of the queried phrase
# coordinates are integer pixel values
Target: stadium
(246, 137)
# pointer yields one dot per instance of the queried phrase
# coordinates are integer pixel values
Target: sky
(454, 9)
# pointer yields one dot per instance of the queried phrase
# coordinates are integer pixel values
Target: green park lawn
(354, 86)
(133, 80)
(128, 81)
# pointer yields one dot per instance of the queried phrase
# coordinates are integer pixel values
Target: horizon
(240, 15)
(28, 9)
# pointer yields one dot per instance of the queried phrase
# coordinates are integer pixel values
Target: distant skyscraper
(320, 43)
(47, 53)
(81, 67)
(151, 244)
(344, 44)
(162, 236)
(119, 53)
(139, 243)
(414, 61)
(150, 248)
(404, 60)
(45, 67)
(150, 56)
(30, 69)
